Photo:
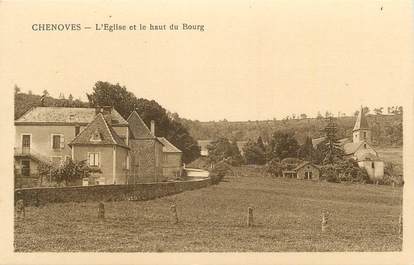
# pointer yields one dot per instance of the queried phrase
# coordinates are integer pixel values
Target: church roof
(351, 148)
(98, 132)
(168, 147)
(138, 128)
(361, 121)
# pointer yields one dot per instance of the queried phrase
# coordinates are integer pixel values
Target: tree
(107, 94)
(306, 150)
(275, 168)
(319, 116)
(260, 143)
(282, 145)
(221, 150)
(303, 116)
(254, 152)
(17, 90)
(378, 111)
(333, 151)
(67, 172)
(45, 93)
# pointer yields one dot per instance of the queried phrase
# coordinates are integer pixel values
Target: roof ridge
(107, 126)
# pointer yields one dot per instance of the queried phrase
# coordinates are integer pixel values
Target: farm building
(301, 170)
(172, 159)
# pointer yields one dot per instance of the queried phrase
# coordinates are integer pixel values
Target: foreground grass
(286, 215)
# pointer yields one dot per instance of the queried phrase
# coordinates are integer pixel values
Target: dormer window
(96, 137)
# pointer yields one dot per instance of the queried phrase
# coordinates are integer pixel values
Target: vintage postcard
(207, 132)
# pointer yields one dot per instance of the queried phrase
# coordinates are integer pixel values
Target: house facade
(103, 150)
(172, 160)
(100, 136)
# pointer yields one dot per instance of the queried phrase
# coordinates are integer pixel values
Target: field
(287, 217)
(393, 155)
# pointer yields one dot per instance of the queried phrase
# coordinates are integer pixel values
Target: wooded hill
(387, 130)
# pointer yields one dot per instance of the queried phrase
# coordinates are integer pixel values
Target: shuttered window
(25, 167)
(58, 141)
(93, 159)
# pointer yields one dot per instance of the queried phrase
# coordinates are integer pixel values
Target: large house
(122, 151)
(360, 149)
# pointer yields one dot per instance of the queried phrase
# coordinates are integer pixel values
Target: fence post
(250, 217)
(101, 211)
(20, 210)
(173, 209)
(324, 222)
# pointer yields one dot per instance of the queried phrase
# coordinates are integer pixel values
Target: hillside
(386, 129)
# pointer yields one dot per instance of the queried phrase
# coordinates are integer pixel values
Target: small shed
(307, 170)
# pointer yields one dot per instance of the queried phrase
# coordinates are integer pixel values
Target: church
(360, 148)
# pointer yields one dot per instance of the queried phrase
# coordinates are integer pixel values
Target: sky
(255, 60)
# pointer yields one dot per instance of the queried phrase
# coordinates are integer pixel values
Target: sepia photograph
(255, 127)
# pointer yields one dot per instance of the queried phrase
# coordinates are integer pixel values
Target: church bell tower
(361, 131)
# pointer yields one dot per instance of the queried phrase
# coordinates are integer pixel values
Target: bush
(219, 171)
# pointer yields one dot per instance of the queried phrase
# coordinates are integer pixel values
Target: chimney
(153, 127)
(107, 110)
(98, 110)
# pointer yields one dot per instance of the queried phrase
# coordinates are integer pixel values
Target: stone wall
(140, 192)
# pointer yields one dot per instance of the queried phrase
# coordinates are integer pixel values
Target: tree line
(284, 152)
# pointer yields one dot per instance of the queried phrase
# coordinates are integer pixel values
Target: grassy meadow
(287, 217)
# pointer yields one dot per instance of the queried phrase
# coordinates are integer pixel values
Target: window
(127, 161)
(93, 159)
(96, 137)
(26, 140)
(365, 145)
(58, 141)
(25, 167)
(372, 164)
(365, 135)
(77, 130)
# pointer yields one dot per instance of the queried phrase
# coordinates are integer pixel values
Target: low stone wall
(140, 192)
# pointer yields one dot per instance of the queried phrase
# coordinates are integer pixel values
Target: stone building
(146, 151)
(172, 159)
(362, 151)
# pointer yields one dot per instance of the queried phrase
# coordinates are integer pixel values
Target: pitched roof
(104, 133)
(168, 147)
(350, 148)
(304, 163)
(63, 115)
(137, 127)
(361, 121)
(368, 157)
(317, 141)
